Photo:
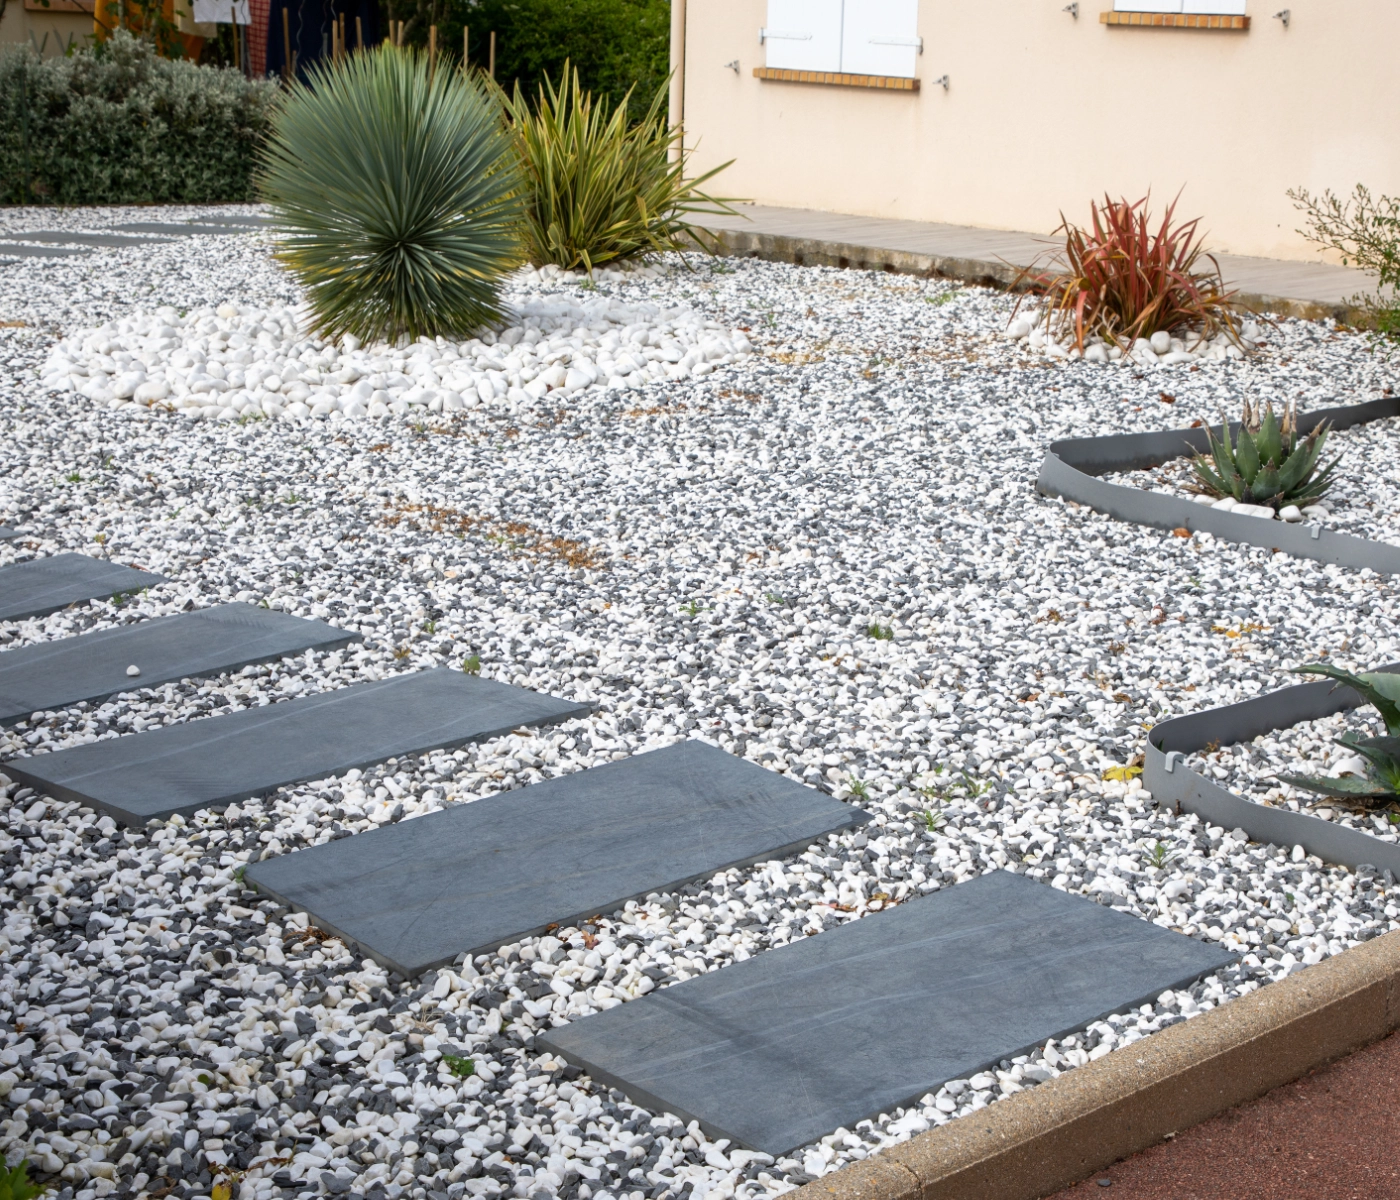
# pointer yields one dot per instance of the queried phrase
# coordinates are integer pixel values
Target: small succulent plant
(14, 1182)
(1268, 463)
(1379, 786)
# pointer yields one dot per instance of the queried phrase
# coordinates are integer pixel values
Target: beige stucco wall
(1045, 112)
(19, 23)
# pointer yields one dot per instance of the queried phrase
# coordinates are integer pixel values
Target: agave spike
(1290, 421)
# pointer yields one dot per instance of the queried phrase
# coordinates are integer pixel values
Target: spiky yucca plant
(600, 188)
(1380, 786)
(1268, 463)
(395, 194)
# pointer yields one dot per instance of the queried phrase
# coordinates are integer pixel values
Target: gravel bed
(828, 558)
(1361, 502)
(1310, 748)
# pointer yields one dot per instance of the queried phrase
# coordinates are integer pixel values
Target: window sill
(1146, 20)
(885, 83)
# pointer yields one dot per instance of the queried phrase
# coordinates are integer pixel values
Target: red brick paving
(1332, 1135)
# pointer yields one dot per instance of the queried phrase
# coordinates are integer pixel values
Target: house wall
(46, 28)
(1045, 112)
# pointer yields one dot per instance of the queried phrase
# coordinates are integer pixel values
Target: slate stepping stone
(6, 532)
(10, 250)
(95, 665)
(170, 230)
(220, 760)
(44, 585)
(419, 893)
(780, 1050)
(85, 239)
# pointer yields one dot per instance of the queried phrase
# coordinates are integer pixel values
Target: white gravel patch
(719, 557)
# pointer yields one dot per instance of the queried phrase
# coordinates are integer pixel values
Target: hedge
(117, 124)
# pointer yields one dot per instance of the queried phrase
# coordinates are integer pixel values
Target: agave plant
(600, 188)
(14, 1182)
(395, 195)
(1123, 281)
(1268, 464)
(1379, 787)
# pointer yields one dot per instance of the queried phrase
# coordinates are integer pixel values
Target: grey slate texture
(6, 532)
(44, 585)
(13, 250)
(94, 666)
(784, 1048)
(419, 893)
(171, 229)
(61, 238)
(219, 760)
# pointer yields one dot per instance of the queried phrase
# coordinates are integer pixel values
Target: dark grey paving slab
(172, 229)
(792, 1044)
(94, 666)
(13, 250)
(417, 894)
(219, 760)
(246, 222)
(6, 532)
(62, 238)
(44, 585)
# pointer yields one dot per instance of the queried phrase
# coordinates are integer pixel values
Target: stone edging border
(1048, 1137)
(1170, 782)
(1071, 465)
(982, 272)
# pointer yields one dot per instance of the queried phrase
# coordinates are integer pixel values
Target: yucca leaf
(1380, 689)
(394, 197)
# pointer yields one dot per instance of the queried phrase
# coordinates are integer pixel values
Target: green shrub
(116, 124)
(1365, 231)
(617, 45)
(396, 196)
(598, 188)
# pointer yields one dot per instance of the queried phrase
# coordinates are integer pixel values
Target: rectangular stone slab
(792, 1044)
(86, 239)
(419, 893)
(171, 230)
(6, 532)
(94, 666)
(219, 760)
(8, 250)
(44, 585)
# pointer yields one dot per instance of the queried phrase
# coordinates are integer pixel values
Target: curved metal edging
(1071, 465)
(1171, 783)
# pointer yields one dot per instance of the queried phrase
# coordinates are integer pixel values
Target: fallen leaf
(1122, 774)
(1181, 531)
(1167, 397)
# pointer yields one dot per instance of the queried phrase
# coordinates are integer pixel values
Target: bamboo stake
(465, 50)
(286, 45)
(491, 61)
(432, 53)
(359, 33)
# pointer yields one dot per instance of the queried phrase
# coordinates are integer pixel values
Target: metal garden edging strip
(1071, 465)
(1166, 776)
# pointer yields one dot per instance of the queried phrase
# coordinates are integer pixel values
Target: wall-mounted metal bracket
(733, 66)
(1285, 15)
(1072, 9)
(941, 81)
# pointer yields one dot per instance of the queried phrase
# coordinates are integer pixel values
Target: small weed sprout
(859, 788)
(1160, 857)
(463, 1068)
(881, 633)
(472, 665)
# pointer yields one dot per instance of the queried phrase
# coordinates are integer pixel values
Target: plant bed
(1169, 775)
(1073, 470)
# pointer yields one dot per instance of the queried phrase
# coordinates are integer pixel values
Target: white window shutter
(1160, 6)
(804, 35)
(1226, 8)
(880, 37)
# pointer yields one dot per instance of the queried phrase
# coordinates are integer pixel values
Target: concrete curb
(816, 252)
(1172, 783)
(1044, 1139)
(1072, 464)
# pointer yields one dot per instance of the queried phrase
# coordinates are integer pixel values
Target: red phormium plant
(1123, 282)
